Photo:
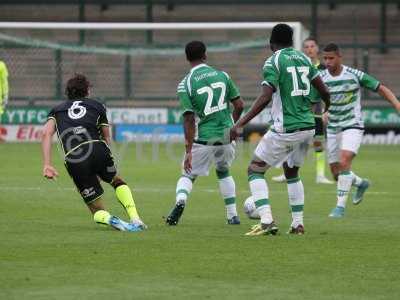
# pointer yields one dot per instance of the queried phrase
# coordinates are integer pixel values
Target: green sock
(124, 196)
(320, 157)
(102, 217)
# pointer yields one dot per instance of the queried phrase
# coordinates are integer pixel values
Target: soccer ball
(250, 208)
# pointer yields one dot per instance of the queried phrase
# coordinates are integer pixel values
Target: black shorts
(88, 164)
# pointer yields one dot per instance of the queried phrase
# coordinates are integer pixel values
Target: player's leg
(352, 139)
(201, 160)
(125, 198)
(345, 180)
(103, 217)
(260, 193)
(319, 151)
(294, 184)
(223, 158)
(271, 151)
(91, 191)
(183, 188)
(350, 143)
(296, 198)
(105, 168)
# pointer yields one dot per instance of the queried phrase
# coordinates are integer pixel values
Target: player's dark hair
(77, 87)
(332, 47)
(195, 50)
(282, 35)
(311, 39)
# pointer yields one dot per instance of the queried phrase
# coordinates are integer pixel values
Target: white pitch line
(167, 189)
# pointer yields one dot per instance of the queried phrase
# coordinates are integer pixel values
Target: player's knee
(256, 167)
(117, 181)
(290, 172)
(345, 163)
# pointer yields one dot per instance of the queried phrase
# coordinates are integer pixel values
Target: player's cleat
(133, 227)
(337, 212)
(280, 178)
(263, 229)
(299, 230)
(175, 214)
(118, 224)
(234, 220)
(139, 223)
(323, 180)
(359, 193)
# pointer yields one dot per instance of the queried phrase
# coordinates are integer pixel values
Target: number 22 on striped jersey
(304, 71)
(208, 109)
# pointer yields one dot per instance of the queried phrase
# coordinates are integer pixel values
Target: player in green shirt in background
(3, 87)
(311, 49)
(345, 124)
(288, 75)
(205, 95)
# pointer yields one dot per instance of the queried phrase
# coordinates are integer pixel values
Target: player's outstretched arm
(259, 104)
(105, 133)
(323, 91)
(48, 131)
(189, 128)
(238, 106)
(386, 93)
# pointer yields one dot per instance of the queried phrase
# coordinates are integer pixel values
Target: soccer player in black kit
(83, 132)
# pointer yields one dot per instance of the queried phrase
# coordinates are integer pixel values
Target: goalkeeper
(3, 87)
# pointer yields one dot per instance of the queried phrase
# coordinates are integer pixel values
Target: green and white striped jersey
(208, 92)
(290, 73)
(345, 90)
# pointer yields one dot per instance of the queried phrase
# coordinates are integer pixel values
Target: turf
(51, 249)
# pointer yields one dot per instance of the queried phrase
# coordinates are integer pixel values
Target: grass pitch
(51, 249)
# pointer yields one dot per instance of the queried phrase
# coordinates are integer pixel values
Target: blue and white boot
(337, 212)
(359, 193)
(117, 223)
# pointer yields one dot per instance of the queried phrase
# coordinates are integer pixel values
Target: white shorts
(349, 140)
(204, 155)
(276, 148)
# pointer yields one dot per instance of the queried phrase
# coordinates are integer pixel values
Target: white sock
(296, 200)
(259, 191)
(356, 180)
(183, 189)
(345, 181)
(228, 192)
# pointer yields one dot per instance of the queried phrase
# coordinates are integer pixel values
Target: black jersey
(78, 122)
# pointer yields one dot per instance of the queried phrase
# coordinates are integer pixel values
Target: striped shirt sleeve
(184, 98)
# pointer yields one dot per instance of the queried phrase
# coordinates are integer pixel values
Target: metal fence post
(127, 77)
(58, 71)
(365, 57)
